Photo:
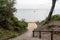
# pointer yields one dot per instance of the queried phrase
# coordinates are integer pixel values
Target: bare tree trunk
(51, 11)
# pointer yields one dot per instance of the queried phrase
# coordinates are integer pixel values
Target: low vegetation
(14, 29)
(53, 18)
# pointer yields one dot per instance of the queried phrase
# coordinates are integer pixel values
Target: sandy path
(25, 36)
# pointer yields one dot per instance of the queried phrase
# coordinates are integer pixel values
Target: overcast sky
(32, 4)
(24, 9)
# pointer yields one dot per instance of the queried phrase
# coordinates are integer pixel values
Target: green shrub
(11, 34)
(1, 34)
(55, 17)
(18, 25)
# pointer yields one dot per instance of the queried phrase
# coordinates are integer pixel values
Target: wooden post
(51, 35)
(40, 34)
(33, 33)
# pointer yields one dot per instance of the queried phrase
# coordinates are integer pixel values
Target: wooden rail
(45, 31)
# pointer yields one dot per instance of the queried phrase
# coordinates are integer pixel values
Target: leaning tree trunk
(51, 11)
